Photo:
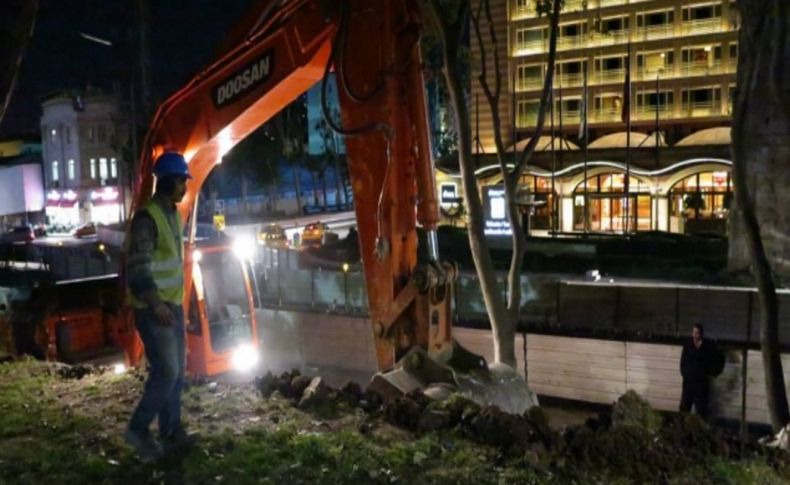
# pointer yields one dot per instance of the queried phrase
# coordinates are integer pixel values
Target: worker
(156, 283)
(700, 361)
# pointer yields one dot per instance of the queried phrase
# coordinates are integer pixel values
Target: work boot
(146, 447)
(179, 439)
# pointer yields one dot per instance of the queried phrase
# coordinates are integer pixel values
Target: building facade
(21, 187)
(81, 137)
(667, 67)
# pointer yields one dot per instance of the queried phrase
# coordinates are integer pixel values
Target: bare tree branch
(548, 83)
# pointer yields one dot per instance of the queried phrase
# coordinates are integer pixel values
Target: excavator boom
(280, 50)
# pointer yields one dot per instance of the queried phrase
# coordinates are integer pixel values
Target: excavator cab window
(226, 300)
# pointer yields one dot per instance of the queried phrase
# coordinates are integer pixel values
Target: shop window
(701, 203)
(55, 171)
(70, 169)
(113, 168)
(93, 168)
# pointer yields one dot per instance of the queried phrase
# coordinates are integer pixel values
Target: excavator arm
(280, 50)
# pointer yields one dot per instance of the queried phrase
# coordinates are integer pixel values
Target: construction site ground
(61, 424)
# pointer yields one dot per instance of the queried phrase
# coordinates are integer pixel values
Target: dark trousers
(695, 394)
(166, 355)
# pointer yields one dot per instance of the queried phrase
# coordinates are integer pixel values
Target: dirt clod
(315, 394)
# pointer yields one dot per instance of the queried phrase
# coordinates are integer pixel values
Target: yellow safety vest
(167, 265)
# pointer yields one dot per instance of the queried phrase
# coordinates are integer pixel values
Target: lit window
(53, 135)
(55, 174)
(70, 168)
(93, 168)
(102, 168)
(113, 168)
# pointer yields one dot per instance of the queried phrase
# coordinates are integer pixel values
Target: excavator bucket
(456, 370)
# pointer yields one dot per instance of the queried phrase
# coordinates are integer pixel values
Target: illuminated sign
(448, 194)
(495, 211)
(106, 195)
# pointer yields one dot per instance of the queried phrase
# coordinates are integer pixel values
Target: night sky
(184, 36)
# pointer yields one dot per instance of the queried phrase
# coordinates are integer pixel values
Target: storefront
(105, 206)
(700, 203)
(62, 209)
(610, 207)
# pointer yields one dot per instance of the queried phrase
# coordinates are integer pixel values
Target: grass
(58, 430)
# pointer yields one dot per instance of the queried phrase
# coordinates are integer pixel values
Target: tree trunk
(245, 208)
(761, 151)
(297, 171)
(504, 348)
(338, 182)
(315, 188)
(323, 186)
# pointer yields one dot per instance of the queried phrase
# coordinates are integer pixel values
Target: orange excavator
(279, 50)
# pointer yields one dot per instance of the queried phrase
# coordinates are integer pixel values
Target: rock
(315, 393)
(298, 386)
(781, 440)
(439, 392)
(633, 409)
(434, 420)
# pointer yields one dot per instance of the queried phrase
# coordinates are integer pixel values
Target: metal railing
(528, 11)
(701, 109)
(705, 26)
(656, 32)
(702, 68)
(649, 311)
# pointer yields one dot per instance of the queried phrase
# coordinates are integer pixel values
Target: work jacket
(167, 261)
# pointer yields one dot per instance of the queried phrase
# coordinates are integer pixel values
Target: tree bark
(761, 150)
(503, 315)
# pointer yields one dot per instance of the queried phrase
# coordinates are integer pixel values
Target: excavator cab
(222, 333)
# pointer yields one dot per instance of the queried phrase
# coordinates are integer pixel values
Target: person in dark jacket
(700, 361)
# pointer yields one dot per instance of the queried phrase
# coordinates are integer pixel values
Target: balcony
(648, 112)
(689, 69)
(529, 84)
(700, 109)
(568, 80)
(705, 26)
(656, 32)
(608, 76)
(527, 12)
(640, 113)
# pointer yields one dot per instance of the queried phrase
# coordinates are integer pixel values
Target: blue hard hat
(170, 164)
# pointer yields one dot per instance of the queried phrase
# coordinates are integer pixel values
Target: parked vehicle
(18, 234)
(317, 234)
(85, 230)
(273, 236)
